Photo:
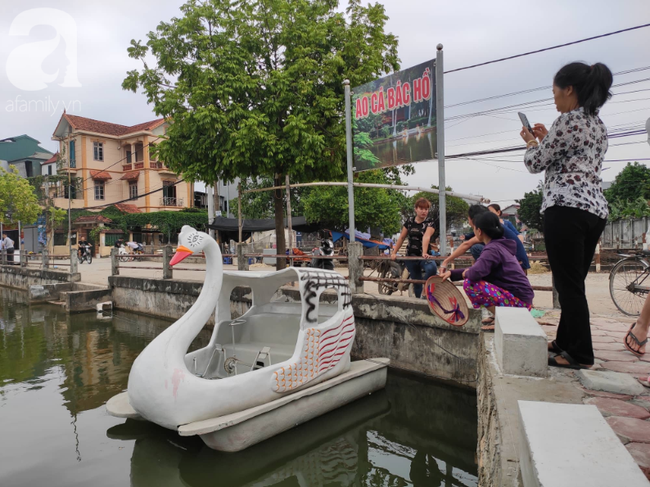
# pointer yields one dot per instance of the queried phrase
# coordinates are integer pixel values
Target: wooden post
(598, 257)
(242, 260)
(23, 257)
(167, 257)
(239, 212)
(74, 262)
(45, 255)
(115, 264)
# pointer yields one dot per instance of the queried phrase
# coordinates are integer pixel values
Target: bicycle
(628, 285)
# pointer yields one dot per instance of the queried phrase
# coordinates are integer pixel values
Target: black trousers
(10, 254)
(571, 236)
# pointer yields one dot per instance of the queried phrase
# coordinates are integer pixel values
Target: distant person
(8, 246)
(419, 230)
(575, 210)
(496, 209)
(475, 246)
(496, 278)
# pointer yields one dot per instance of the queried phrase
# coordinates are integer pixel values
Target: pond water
(58, 371)
(402, 150)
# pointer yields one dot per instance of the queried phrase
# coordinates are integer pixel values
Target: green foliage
(630, 184)
(530, 207)
(374, 208)
(255, 89)
(637, 208)
(17, 199)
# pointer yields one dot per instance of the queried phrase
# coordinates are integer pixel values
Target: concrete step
(520, 343)
(568, 445)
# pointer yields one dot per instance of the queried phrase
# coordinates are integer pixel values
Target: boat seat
(247, 352)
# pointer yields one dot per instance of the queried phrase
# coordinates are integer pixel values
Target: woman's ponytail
(489, 224)
(591, 84)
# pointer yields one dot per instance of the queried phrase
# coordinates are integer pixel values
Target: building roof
(93, 219)
(51, 160)
(22, 147)
(108, 128)
(100, 175)
(131, 176)
(124, 208)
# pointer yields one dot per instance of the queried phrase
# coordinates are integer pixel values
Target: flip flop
(488, 321)
(639, 343)
(488, 328)
(573, 364)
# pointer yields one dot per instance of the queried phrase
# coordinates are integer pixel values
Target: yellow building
(112, 163)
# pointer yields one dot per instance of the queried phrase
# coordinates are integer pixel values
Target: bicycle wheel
(624, 279)
(124, 257)
(388, 270)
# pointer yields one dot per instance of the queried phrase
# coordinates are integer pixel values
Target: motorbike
(326, 249)
(85, 254)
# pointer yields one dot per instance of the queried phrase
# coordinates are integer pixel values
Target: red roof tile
(97, 126)
(100, 175)
(93, 219)
(124, 208)
(131, 176)
(51, 159)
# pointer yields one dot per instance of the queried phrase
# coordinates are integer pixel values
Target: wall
(23, 277)
(402, 329)
(625, 234)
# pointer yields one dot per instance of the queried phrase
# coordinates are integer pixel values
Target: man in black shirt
(419, 230)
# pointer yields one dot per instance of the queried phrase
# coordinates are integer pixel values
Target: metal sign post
(440, 129)
(348, 140)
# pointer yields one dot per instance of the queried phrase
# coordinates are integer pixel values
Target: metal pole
(289, 216)
(239, 204)
(348, 143)
(209, 195)
(440, 138)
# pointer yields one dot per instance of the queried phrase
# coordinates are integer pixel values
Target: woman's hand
(444, 275)
(464, 272)
(540, 131)
(526, 135)
(393, 256)
(444, 265)
(425, 255)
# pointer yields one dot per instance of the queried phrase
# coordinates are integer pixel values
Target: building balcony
(127, 167)
(138, 165)
(156, 165)
(171, 201)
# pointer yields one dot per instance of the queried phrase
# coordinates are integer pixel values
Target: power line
(548, 48)
(130, 199)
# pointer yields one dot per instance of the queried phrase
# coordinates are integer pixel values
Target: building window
(49, 169)
(133, 190)
(111, 238)
(73, 154)
(169, 194)
(98, 151)
(60, 239)
(70, 192)
(128, 157)
(99, 190)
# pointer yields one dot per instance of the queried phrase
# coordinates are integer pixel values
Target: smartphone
(525, 122)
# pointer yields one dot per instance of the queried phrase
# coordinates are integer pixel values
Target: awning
(131, 176)
(100, 175)
(230, 226)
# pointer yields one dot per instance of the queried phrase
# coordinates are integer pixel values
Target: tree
(17, 199)
(255, 89)
(630, 184)
(374, 208)
(530, 207)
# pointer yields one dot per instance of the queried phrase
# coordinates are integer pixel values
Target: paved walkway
(627, 414)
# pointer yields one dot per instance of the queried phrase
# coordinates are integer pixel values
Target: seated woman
(496, 278)
(419, 230)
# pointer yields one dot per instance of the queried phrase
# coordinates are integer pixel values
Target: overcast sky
(37, 64)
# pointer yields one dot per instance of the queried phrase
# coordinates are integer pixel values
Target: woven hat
(446, 301)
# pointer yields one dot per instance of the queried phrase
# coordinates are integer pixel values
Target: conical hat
(446, 301)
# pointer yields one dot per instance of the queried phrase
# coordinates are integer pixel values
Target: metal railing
(171, 201)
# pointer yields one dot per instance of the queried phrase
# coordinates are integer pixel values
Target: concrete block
(520, 344)
(608, 381)
(570, 445)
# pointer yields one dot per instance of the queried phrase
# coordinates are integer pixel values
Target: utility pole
(208, 192)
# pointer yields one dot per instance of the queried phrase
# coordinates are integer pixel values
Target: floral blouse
(572, 155)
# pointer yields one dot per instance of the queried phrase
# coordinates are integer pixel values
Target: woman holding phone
(575, 209)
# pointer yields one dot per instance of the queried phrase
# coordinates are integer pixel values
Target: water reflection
(57, 371)
(402, 150)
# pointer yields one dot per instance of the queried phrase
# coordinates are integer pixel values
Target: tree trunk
(279, 223)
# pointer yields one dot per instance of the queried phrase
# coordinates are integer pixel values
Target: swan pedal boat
(278, 365)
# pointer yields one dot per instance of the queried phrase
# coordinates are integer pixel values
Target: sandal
(553, 347)
(640, 344)
(573, 364)
(488, 321)
(488, 327)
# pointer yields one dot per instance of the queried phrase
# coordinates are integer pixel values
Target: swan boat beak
(181, 254)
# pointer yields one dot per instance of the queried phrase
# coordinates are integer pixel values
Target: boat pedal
(261, 357)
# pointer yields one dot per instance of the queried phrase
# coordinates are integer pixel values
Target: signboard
(394, 119)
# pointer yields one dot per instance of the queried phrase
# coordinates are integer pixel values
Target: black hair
(496, 207)
(476, 210)
(489, 224)
(591, 84)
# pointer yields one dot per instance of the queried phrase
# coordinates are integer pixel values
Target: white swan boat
(278, 365)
